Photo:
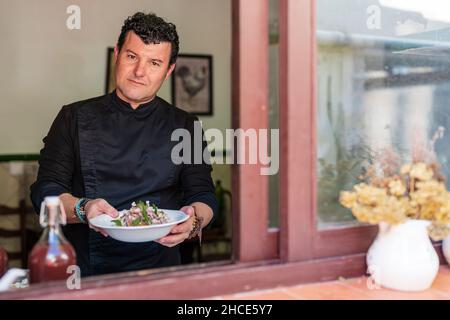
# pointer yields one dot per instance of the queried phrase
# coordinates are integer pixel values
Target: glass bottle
(52, 254)
(3, 261)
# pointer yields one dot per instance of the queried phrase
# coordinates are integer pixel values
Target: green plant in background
(343, 170)
(219, 222)
(335, 177)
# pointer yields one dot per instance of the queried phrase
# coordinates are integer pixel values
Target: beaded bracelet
(79, 209)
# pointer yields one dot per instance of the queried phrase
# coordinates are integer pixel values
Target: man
(102, 154)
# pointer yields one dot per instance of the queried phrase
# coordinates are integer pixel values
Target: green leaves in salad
(155, 208)
(141, 205)
(136, 222)
(117, 222)
(135, 217)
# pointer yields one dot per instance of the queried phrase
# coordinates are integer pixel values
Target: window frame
(301, 239)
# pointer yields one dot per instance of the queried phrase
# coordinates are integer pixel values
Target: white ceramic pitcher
(402, 256)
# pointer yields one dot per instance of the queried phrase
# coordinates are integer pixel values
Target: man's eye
(130, 56)
(155, 63)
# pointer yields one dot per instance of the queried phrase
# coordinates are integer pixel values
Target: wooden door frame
(252, 239)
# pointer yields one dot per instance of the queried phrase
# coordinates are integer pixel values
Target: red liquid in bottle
(3, 261)
(52, 255)
(48, 262)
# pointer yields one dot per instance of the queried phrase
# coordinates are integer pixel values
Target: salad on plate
(141, 214)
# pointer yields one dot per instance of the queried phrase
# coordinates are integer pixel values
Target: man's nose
(139, 71)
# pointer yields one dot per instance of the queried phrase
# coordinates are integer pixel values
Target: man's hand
(181, 231)
(97, 207)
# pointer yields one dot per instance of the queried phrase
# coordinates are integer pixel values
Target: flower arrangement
(394, 193)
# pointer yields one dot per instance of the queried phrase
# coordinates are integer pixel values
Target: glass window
(383, 82)
(274, 180)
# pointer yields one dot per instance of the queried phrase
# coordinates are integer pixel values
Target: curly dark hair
(151, 29)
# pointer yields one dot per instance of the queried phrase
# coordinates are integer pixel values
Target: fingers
(108, 209)
(172, 240)
(100, 206)
(178, 234)
(188, 210)
(97, 207)
(185, 227)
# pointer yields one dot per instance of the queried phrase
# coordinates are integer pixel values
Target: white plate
(139, 233)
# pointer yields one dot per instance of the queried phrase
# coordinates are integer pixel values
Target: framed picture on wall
(110, 83)
(192, 84)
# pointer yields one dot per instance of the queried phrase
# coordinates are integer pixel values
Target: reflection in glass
(383, 81)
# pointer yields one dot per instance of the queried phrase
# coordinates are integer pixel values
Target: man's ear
(171, 68)
(116, 53)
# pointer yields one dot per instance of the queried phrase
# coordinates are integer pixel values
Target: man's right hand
(97, 207)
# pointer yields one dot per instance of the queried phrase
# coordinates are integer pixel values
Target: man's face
(141, 69)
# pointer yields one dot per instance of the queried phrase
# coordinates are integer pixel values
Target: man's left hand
(181, 231)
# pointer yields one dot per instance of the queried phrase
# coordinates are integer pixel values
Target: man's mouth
(136, 82)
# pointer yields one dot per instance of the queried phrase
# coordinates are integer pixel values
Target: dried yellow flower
(369, 195)
(388, 199)
(348, 199)
(406, 168)
(397, 188)
(421, 171)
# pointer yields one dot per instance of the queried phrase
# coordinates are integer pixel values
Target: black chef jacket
(103, 148)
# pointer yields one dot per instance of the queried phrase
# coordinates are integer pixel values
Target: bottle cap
(52, 201)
